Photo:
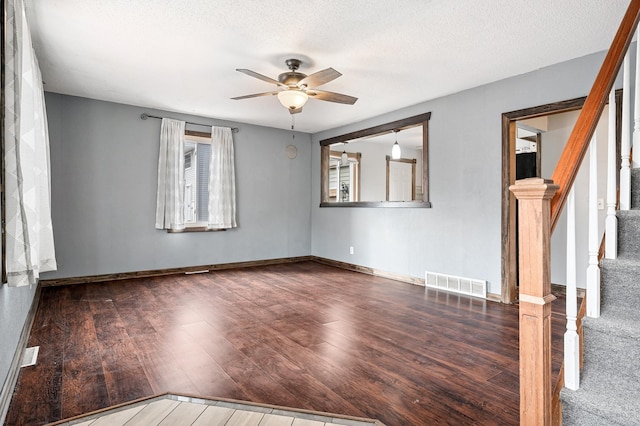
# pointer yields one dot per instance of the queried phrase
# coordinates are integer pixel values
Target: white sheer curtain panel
(170, 196)
(29, 232)
(222, 180)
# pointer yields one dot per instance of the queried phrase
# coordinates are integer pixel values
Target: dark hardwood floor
(301, 335)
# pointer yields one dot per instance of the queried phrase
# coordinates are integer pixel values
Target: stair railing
(540, 204)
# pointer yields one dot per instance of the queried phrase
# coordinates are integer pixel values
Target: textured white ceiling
(181, 55)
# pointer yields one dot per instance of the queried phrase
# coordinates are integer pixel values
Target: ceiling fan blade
(319, 78)
(255, 95)
(324, 95)
(260, 76)
(295, 111)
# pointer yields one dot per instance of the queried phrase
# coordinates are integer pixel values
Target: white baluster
(611, 224)
(636, 109)
(571, 338)
(593, 270)
(625, 171)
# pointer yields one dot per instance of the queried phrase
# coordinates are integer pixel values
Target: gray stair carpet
(609, 391)
(635, 183)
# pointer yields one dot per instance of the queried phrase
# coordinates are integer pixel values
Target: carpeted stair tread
(620, 322)
(573, 415)
(610, 381)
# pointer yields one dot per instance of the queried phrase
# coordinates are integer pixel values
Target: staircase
(609, 391)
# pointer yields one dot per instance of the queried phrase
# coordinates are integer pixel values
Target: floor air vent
(460, 285)
(30, 356)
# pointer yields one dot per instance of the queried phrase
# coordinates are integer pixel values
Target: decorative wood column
(534, 217)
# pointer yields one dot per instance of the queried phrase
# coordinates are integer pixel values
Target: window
(197, 157)
(201, 194)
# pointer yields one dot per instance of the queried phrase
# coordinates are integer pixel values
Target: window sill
(386, 204)
(194, 229)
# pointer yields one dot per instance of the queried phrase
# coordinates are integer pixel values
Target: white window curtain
(29, 232)
(222, 181)
(170, 196)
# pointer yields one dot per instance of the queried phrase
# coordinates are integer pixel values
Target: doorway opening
(512, 123)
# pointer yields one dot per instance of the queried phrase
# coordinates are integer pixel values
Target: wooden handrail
(576, 147)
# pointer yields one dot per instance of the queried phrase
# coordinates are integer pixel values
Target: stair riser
(619, 299)
(629, 235)
(635, 188)
(623, 277)
(620, 285)
(616, 320)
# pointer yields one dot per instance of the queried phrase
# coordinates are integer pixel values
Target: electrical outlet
(351, 250)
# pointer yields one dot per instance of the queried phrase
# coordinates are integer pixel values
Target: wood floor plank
(303, 335)
(84, 387)
(306, 422)
(276, 420)
(214, 416)
(207, 376)
(184, 414)
(258, 385)
(153, 413)
(245, 418)
(164, 372)
(119, 418)
(87, 423)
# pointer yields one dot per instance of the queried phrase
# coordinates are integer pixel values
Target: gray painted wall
(104, 161)
(461, 233)
(15, 303)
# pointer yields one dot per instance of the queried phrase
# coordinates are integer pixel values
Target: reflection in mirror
(344, 176)
(358, 169)
(401, 180)
(362, 173)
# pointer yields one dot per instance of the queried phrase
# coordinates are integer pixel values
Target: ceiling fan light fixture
(292, 99)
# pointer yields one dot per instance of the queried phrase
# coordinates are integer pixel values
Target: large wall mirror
(382, 166)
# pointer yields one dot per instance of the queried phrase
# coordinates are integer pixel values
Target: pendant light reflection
(344, 158)
(395, 150)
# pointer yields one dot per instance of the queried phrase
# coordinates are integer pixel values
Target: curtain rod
(144, 116)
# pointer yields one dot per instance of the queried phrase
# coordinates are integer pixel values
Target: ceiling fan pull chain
(293, 122)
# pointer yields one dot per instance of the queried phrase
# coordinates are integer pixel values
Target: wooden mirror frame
(422, 119)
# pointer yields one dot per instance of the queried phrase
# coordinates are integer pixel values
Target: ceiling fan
(296, 88)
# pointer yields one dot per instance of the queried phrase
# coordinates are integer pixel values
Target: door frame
(508, 293)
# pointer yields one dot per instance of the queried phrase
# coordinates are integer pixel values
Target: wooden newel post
(534, 233)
